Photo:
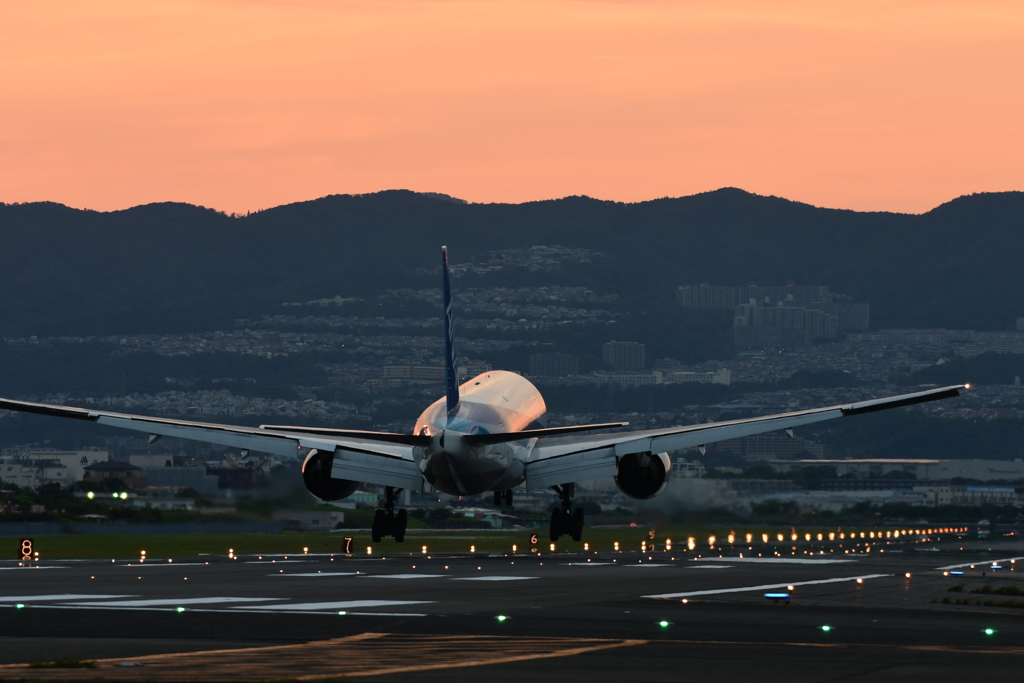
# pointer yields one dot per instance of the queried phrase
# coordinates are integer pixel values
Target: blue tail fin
(451, 376)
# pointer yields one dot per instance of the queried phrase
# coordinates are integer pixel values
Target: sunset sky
(246, 104)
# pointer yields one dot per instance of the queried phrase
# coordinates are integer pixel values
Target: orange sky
(248, 104)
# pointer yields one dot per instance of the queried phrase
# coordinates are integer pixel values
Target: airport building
(920, 469)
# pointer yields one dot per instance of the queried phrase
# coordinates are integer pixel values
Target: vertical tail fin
(451, 375)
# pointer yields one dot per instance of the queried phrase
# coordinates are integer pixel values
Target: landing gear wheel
(497, 497)
(577, 524)
(508, 497)
(400, 522)
(556, 523)
(379, 520)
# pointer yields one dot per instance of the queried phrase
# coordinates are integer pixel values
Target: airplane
(481, 436)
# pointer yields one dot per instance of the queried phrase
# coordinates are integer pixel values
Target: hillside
(176, 267)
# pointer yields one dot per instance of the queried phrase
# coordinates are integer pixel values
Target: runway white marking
(769, 560)
(319, 574)
(322, 613)
(405, 576)
(255, 610)
(647, 564)
(590, 564)
(343, 605)
(26, 568)
(711, 566)
(158, 563)
(63, 596)
(175, 602)
(744, 589)
(980, 563)
(272, 561)
(495, 578)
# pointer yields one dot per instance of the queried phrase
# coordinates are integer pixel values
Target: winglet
(451, 375)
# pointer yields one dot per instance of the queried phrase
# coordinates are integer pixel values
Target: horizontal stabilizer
(484, 439)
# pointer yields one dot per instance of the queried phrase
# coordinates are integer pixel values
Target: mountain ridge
(177, 266)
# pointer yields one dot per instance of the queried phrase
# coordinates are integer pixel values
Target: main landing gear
(503, 497)
(386, 522)
(564, 520)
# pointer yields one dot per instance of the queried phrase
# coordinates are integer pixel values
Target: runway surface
(601, 617)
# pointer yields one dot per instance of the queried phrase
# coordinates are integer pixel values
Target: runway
(600, 616)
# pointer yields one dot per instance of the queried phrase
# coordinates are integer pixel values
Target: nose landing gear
(386, 522)
(564, 520)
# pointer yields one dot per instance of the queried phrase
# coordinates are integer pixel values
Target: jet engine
(643, 475)
(316, 475)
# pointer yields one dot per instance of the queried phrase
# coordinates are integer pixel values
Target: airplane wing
(367, 457)
(562, 459)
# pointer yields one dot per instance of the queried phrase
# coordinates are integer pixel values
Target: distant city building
(554, 365)
(706, 296)
(414, 373)
(473, 368)
(166, 460)
(921, 469)
(115, 469)
(33, 468)
(635, 379)
(623, 356)
(771, 446)
(777, 317)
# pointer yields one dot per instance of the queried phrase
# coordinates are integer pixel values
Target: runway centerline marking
(979, 563)
(319, 574)
(405, 576)
(3, 569)
(64, 596)
(173, 601)
(769, 560)
(273, 561)
(712, 566)
(494, 578)
(344, 604)
(746, 589)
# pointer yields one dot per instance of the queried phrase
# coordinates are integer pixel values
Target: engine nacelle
(316, 475)
(643, 475)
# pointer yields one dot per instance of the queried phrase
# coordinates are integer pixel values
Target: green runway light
(501, 617)
(179, 610)
(663, 624)
(826, 628)
(342, 613)
(989, 632)
(20, 605)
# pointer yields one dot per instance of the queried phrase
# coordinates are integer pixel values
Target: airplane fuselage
(495, 402)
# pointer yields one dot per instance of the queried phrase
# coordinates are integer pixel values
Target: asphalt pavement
(541, 616)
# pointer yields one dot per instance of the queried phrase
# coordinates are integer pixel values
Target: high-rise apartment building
(623, 356)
